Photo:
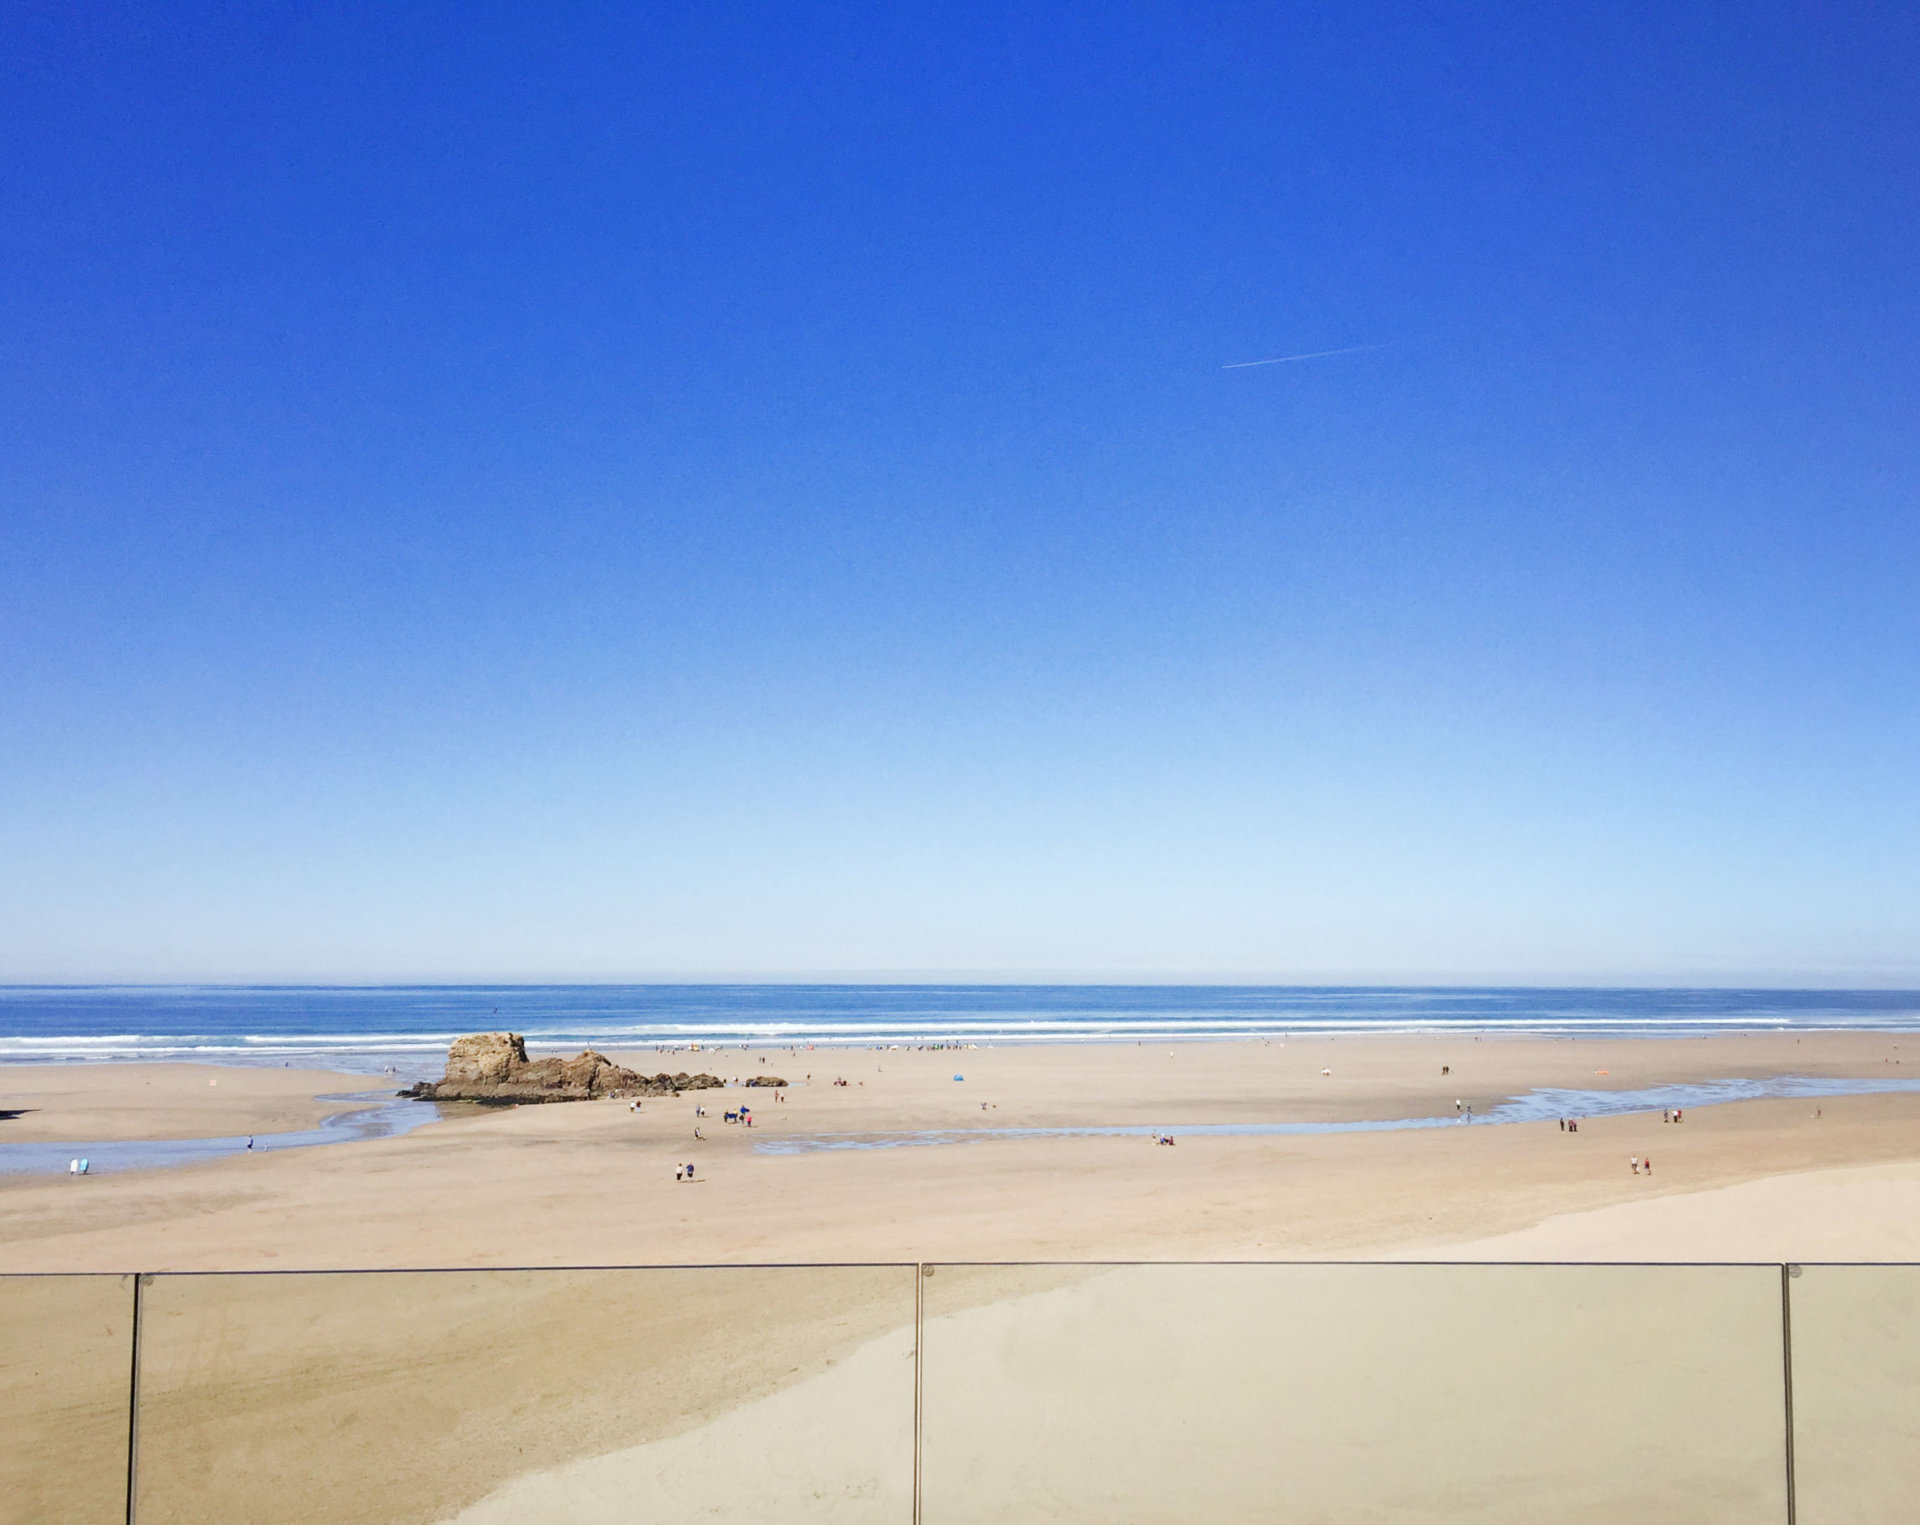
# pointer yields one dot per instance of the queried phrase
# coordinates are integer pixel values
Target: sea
(404, 1030)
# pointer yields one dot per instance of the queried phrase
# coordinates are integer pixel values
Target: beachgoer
(1648, 1162)
(689, 1170)
(249, 1142)
(1634, 1161)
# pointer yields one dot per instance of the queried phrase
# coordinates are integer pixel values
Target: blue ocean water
(405, 1029)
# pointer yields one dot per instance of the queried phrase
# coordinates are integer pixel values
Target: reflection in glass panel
(523, 1396)
(1856, 1394)
(1336, 1393)
(66, 1353)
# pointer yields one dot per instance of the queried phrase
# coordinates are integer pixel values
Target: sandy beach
(594, 1183)
(757, 1352)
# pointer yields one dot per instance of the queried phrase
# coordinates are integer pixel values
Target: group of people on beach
(1672, 1115)
(683, 1172)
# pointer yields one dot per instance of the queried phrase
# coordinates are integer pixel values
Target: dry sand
(593, 1183)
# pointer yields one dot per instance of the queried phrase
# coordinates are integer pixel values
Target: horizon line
(1905, 982)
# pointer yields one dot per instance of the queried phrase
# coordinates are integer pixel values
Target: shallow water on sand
(1544, 1105)
(389, 1119)
(393, 1117)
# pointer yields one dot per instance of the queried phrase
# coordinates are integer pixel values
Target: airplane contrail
(1319, 354)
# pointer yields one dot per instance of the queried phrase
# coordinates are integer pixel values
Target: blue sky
(599, 492)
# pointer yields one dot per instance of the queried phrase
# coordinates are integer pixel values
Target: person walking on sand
(1634, 1161)
(1648, 1162)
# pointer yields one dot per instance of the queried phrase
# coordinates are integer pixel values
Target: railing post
(919, 1346)
(1787, 1273)
(133, 1398)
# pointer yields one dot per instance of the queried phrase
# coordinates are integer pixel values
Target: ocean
(406, 1029)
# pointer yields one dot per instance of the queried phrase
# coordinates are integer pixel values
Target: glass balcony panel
(66, 1354)
(528, 1396)
(1326, 1394)
(1856, 1394)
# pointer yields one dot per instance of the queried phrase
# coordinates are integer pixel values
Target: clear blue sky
(585, 492)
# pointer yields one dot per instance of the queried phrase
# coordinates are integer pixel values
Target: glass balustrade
(66, 1360)
(945, 1394)
(1856, 1394)
(1335, 1393)
(525, 1396)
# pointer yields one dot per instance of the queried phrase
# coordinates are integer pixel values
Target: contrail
(1319, 354)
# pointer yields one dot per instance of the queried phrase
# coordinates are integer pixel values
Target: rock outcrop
(493, 1067)
(766, 1080)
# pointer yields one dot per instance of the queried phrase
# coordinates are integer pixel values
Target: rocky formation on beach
(766, 1080)
(494, 1067)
